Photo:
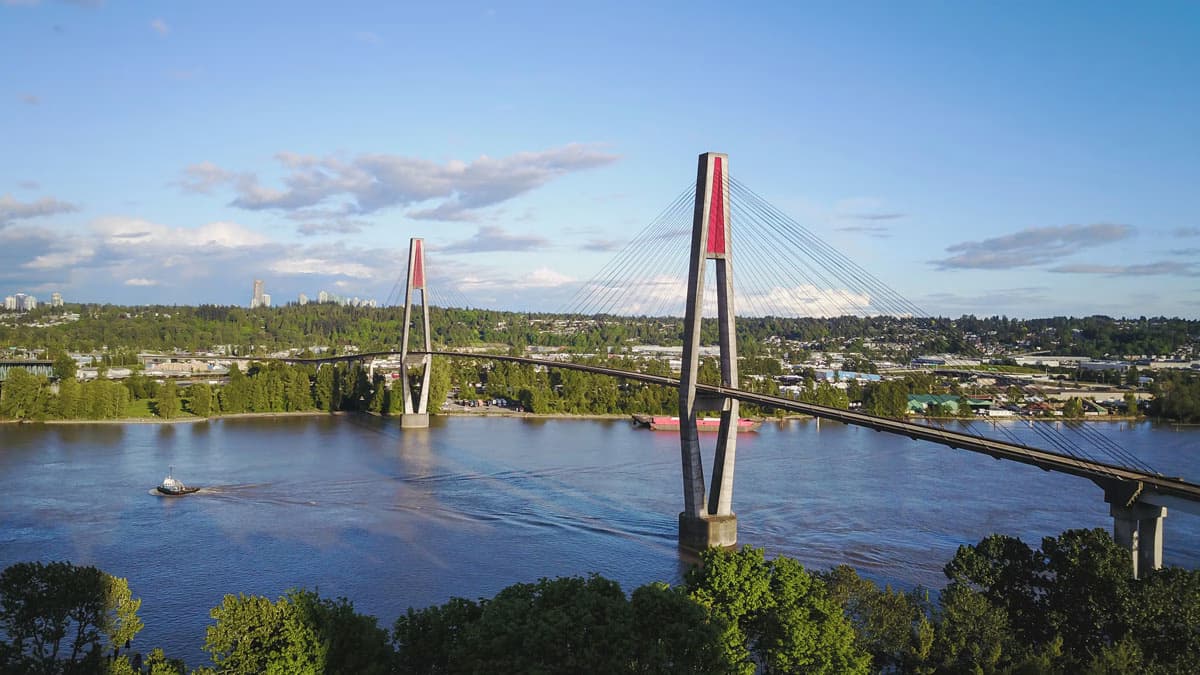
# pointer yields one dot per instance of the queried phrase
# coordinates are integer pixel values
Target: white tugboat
(173, 487)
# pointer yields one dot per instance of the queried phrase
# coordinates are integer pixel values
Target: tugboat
(174, 488)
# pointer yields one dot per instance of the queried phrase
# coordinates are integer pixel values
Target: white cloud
(368, 183)
(804, 300)
(159, 26)
(489, 239)
(203, 177)
(137, 281)
(1031, 246)
(11, 209)
(665, 295)
(1160, 268)
(61, 259)
(322, 266)
(544, 277)
(123, 231)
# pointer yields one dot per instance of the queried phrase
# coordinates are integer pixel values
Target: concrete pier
(697, 534)
(414, 420)
(1139, 529)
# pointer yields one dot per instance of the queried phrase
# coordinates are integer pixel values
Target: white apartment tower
(256, 300)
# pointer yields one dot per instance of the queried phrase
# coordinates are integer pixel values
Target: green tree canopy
(57, 617)
(780, 616)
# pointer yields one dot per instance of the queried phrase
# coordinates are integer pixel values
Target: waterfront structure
(416, 413)
(701, 524)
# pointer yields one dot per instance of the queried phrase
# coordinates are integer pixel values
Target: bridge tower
(709, 523)
(416, 412)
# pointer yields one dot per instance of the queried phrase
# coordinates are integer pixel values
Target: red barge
(664, 423)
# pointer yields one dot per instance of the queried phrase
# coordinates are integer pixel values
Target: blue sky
(1029, 159)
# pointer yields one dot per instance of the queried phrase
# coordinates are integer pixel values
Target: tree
(234, 396)
(963, 407)
(1131, 376)
(299, 393)
(890, 625)
(23, 396)
(1090, 591)
(47, 608)
(254, 635)
(1073, 408)
(299, 633)
(674, 634)
(781, 618)
(973, 635)
(439, 383)
(1131, 403)
(201, 400)
(64, 366)
(70, 399)
(1071, 603)
(323, 392)
(887, 399)
(166, 404)
(1009, 574)
(355, 644)
(564, 625)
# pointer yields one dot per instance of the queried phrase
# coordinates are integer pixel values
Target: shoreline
(553, 416)
(180, 420)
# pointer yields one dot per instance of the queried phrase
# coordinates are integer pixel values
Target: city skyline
(1025, 160)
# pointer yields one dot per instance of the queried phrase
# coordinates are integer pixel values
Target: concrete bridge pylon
(416, 412)
(704, 523)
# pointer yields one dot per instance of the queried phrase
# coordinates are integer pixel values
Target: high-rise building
(256, 300)
(303, 299)
(56, 300)
(323, 297)
(266, 300)
(20, 302)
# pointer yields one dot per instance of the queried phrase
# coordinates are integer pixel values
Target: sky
(1022, 158)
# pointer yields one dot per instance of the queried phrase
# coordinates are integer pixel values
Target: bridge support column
(1139, 530)
(704, 523)
(416, 412)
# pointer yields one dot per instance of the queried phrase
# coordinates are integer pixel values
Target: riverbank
(502, 412)
(182, 419)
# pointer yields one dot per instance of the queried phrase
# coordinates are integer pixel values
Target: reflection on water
(394, 518)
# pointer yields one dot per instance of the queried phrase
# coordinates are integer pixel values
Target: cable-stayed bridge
(802, 276)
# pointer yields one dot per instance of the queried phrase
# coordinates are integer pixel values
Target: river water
(353, 506)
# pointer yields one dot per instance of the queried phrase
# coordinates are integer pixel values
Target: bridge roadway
(1123, 486)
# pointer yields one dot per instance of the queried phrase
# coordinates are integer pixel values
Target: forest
(117, 334)
(102, 328)
(1070, 606)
